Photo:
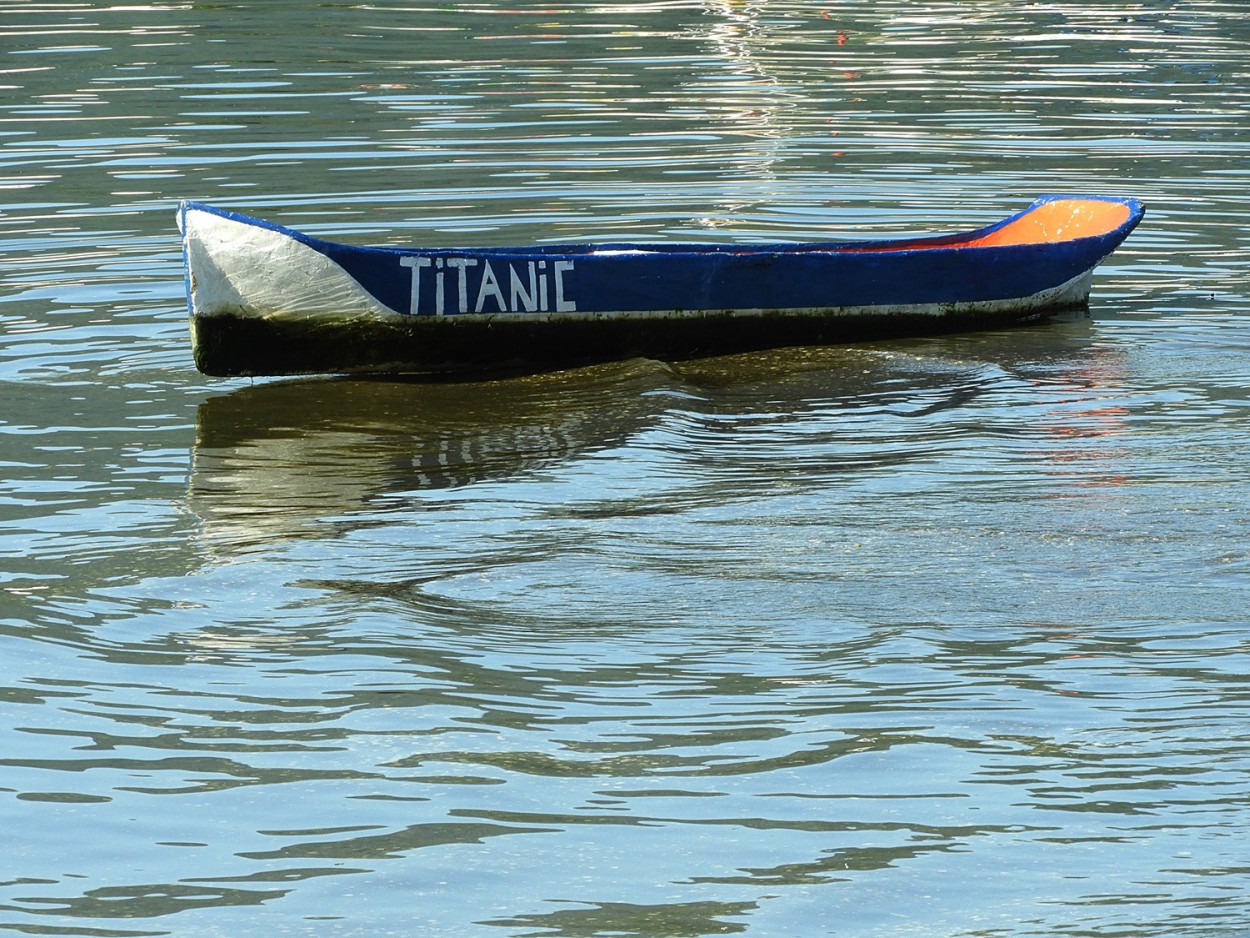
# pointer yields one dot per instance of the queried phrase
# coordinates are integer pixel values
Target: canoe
(269, 300)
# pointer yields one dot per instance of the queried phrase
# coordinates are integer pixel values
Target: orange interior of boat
(1061, 220)
(1050, 222)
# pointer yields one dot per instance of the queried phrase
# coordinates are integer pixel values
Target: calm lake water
(940, 638)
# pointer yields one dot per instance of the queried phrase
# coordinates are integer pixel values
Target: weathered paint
(371, 309)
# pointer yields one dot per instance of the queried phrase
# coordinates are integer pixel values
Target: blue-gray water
(939, 638)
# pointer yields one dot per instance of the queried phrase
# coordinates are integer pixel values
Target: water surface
(940, 637)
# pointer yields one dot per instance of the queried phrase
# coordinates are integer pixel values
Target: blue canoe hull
(267, 300)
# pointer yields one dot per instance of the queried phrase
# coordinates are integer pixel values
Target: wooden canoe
(269, 300)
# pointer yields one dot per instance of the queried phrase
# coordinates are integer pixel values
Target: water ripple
(733, 645)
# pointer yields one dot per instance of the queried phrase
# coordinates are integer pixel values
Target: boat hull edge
(237, 346)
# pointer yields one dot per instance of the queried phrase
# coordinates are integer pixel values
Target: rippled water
(941, 637)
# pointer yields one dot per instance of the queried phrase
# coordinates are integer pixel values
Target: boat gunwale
(639, 250)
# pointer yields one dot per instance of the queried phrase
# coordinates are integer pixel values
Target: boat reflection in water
(313, 458)
(290, 459)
